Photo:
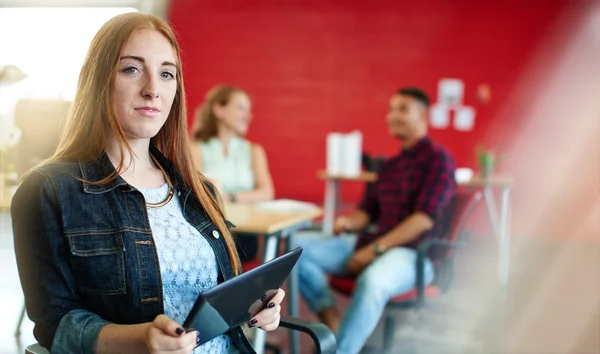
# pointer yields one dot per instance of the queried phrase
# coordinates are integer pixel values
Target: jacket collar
(100, 168)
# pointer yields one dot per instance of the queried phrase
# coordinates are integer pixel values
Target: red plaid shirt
(418, 179)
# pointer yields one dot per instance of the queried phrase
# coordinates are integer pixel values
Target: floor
(551, 304)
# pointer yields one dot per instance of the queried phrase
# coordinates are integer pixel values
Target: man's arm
(407, 231)
(435, 194)
(355, 222)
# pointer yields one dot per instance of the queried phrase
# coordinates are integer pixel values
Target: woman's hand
(268, 318)
(165, 335)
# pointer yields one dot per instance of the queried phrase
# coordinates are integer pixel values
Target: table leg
(20, 322)
(260, 336)
(294, 304)
(504, 236)
(490, 202)
(331, 190)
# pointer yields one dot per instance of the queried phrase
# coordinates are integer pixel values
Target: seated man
(408, 203)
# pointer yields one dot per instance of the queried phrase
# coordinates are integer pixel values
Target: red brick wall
(313, 67)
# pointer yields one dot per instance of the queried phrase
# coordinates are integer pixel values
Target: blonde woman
(117, 234)
(239, 167)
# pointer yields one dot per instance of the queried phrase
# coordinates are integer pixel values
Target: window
(49, 46)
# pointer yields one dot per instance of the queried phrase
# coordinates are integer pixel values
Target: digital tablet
(235, 301)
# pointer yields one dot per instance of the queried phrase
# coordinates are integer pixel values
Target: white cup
(463, 174)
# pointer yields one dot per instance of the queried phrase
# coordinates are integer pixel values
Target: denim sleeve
(43, 262)
(78, 332)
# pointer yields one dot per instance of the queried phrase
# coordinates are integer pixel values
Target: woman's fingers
(267, 319)
(272, 323)
(278, 298)
(168, 326)
(165, 334)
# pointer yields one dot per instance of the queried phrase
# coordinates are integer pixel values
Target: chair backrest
(464, 204)
(41, 123)
(370, 163)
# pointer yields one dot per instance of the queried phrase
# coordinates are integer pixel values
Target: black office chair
(371, 164)
(455, 238)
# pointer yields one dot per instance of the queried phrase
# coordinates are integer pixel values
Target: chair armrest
(320, 334)
(422, 250)
(432, 242)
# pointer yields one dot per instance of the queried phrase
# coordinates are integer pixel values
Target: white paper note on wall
(439, 117)
(450, 92)
(464, 119)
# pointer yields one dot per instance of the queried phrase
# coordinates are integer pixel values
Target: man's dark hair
(415, 93)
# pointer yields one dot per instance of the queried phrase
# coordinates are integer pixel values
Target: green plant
(488, 160)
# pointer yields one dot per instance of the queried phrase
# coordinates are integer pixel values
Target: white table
(500, 221)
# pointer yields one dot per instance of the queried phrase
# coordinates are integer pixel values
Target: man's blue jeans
(391, 274)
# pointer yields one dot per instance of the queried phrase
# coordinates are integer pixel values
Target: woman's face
(236, 114)
(145, 84)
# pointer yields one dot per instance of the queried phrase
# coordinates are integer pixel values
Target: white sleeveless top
(233, 171)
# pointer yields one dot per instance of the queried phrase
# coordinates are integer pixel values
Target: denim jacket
(86, 255)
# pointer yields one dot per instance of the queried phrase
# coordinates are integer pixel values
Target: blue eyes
(167, 75)
(133, 70)
(130, 70)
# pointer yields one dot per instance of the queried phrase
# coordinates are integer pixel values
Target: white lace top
(188, 264)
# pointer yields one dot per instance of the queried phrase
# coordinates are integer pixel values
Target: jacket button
(215, 234)
(179, 194)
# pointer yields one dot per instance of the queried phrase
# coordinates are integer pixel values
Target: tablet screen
(234, 302)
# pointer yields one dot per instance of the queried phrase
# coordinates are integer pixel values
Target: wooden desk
(272, 224)
(364, 176)
(500, 221)
(252, 219)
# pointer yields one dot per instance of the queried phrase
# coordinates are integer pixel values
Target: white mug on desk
(463, 175)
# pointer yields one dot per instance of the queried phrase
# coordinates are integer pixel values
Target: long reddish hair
(92, 119)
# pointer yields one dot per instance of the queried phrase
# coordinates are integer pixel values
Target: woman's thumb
(168, 326)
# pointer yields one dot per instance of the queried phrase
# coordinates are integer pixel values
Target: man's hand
(342, 224)
(356, 221)
(360, 260)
